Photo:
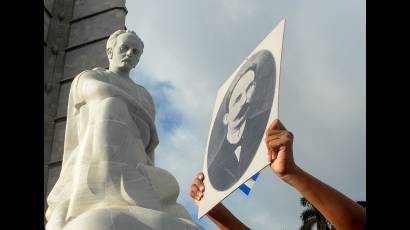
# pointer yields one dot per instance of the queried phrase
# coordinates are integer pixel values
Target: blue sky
(192, 47)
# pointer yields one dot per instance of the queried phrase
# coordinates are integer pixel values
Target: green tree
(311, 217)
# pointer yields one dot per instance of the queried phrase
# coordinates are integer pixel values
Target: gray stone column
(75, 34)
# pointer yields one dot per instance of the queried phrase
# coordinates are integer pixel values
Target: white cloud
(193, 46)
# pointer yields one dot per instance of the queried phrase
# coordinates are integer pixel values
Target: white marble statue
(108, 179)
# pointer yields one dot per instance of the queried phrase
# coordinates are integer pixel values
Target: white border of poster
(273, 44)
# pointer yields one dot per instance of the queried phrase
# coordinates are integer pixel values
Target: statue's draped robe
(108, 176)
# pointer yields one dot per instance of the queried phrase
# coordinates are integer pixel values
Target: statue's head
(124, 49)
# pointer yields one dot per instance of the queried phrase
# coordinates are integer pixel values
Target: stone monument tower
(100, 143)
(75, 35)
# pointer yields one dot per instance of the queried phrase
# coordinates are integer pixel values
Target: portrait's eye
(135, 51)
(250, 86)
(238, 98)
(123, 48)
(249, 91)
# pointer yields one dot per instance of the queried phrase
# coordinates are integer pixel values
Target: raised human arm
(338, 209)
(219, 215)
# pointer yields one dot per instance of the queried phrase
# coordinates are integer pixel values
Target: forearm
(224, 219)
(342, 212)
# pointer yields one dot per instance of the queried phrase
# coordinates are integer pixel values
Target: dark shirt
(225, 169)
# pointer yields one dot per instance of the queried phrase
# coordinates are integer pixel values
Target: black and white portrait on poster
(245, 104)
(241, 120)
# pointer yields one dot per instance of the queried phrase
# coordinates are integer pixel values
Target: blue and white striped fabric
(247, 186)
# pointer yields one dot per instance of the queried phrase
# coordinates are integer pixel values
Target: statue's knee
(91, 220)
(106, 219)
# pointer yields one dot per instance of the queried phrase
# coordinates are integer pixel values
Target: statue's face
(125, 54)
(240, 98)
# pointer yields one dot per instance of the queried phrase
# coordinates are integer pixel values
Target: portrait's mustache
(240, 117)
(243, 111)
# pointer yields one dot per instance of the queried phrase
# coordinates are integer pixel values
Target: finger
(282, 148)
(200, 176)
(271, 132)
(275, 144)
(273, 125)
(196, 193)
(281, 126)
(274, 154)
(269, 148)
(201, 188)
(193, 193)
(267, 143)
(286, 138)
(269, 155)
(290, 134)
(283, 136)
(199, 195)
(199, 185)
(280, 145)
(194, 188)
(274, 136)
(196, 196)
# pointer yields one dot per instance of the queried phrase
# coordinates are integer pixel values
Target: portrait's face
(125, 53)
(239, 122)
(239, 101)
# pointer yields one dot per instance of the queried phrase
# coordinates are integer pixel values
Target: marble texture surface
(108, 178)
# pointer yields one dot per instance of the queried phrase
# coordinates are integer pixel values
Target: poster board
(245, 105)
